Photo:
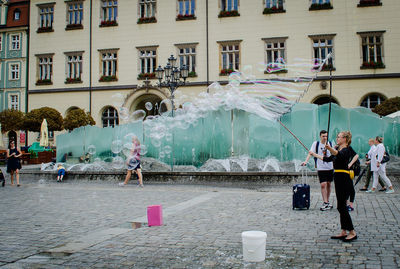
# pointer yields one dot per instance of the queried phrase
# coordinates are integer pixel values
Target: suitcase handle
(304, 176)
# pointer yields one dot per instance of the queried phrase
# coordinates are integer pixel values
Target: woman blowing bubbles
(341, 157)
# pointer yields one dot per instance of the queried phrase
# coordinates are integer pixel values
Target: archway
(324, 99)
(154, 100)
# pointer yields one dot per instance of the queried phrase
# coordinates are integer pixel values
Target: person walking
(379, 168)
(13, 162)
(341, 157)
(368, 156)
(133, 163)
(325, 169)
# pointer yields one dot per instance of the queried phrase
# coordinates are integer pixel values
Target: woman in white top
(378, 168)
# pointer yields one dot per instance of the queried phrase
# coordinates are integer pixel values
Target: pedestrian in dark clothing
(13, 162)
(341, 158)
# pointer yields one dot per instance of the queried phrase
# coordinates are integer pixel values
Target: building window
(147, 11)
(186, 9)
(371, 101)
(46, 18)
(322, 46)
(45, 69)
(15, 42)
(273, 6)
(14, 102)
(14, 72)
(187, 56)
(109, 12)
(230, 58)
(229, 8)
(110, 117)
(320, 4)
(275, 54)
(74, 68)
(17, 15)
(74, 15)
(147, 62)
(109, 65)
(372, 50)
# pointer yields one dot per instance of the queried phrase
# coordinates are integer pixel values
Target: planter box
(369, 3)
(73, 27)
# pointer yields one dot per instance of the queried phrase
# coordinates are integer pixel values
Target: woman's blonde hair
(379, 139)
(347, 135)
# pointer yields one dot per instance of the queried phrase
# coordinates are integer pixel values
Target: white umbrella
(394, 114)
(44, 134)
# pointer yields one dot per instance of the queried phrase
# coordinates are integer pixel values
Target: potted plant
(147, 75)
(368, 3)
(73, 80)
(232, 13)
(182, 17)
(317, 6)
(74, 26)
(146, 20)
(43, 82)
(108, 23)
(45, 29)
(226, 71)
(105, 78)
(273, 9)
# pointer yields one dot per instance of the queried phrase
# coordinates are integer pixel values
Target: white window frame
(14, 73)
(13, 101)
(230, 55)
(229, 5)
(376, 46)
(74, 63)
(15, 41)
(320, 2)
(147, 8)
(110, 120)
(147, 60)
(45, 67)
(1, 42)
(322, 45)
(368, 100)
(109, 10)
(186, 7)
(74, 12)
(109, 62)
(46, 16)
(275, 52)
(278, 4)
(187, 56)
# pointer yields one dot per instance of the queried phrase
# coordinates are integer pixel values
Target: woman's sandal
(339, 237)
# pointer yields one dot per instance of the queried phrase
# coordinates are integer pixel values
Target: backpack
(356, 167)
(386, 157)
(316, 151)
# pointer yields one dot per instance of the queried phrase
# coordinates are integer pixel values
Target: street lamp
(173, 76)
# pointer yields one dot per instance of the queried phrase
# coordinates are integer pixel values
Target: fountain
(233, 128)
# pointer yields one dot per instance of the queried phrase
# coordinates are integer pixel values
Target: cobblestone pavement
(89, 225)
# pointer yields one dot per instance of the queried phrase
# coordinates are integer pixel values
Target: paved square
(89, 225)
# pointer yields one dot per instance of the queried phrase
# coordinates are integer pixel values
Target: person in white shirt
(371, 143)
(379, 168)
(325, 169)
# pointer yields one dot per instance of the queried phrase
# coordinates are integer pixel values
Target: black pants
(343, 188)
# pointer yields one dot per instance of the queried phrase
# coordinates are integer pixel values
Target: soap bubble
(143, 149)
(127, 149)
(97, 160)
(91, 149)
(138, 115)
(156, 143)
(168, 137)
(149, 106)
(117, 162)
(118, 99)
(234, 79)
(116, 146)
(123, 113)
(129, 137)
(167, 149)
(165, 107)
(161, 154)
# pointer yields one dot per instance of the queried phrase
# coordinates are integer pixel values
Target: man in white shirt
(325, 169)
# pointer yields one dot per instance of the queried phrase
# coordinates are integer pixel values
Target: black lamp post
(173, 77)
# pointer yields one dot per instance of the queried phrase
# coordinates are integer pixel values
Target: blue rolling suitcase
(301, 194)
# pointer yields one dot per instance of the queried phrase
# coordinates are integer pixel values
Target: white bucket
(254, 243)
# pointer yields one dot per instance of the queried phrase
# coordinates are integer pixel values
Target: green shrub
(11, 119)
(77, 118)
(389, 106)
(34, 118)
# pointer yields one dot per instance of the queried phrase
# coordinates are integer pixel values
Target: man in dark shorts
(325, 169)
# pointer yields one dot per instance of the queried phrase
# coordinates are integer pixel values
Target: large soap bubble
(123, 113)
(91, 149)
(165, 106)
(117, 162)
(116, 146)
(143, 149)
(167, 149)
(138, 115)
(149, 106)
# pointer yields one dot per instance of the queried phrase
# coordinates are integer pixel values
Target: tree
(34, 118)
(77, 118)
(387, 107)
(11, 119)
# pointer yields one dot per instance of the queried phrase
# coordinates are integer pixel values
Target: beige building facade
(83, 52)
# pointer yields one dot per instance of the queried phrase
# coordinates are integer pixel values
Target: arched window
(324, 99)
(110, 117)
(372, 100)
(17, 14)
